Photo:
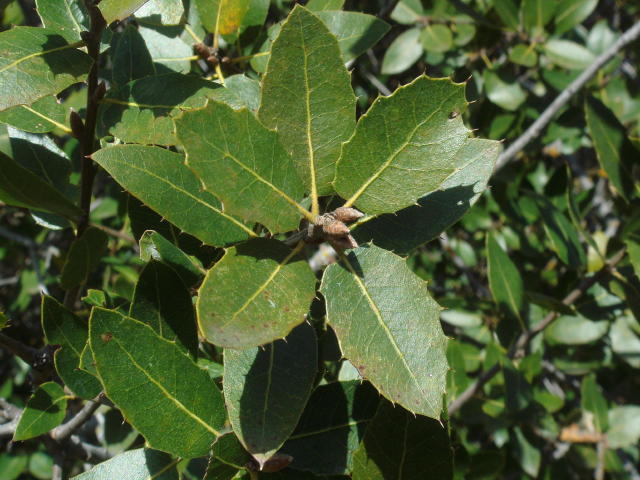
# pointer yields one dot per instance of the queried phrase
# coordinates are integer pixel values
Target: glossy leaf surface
(159, 178)
(158, 388)
(307, 97)
(266, 389)
(255, 294)
(397, 342)
(409, 138)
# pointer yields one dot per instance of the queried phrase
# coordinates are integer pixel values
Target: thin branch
(19, 349)
(543, 120)
(519, 347)
(65, 430)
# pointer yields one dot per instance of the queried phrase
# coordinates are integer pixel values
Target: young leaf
(130, 56)
(142, 111)
(158, 388)
(400, 446)
(413, 226)
(36, 62)
(615, 151)
(42, 116)
(155, 246)
(504, 279)
(356, 32)
(397, 342)
(62, 327)
(113, 10)
(138, 464)
(83, 257)
(162, 301)
(403, 147)
(257, 293)
(222, 17)
(331, 427)
(242, 162)
(22, 188)
(266, 389)
(44, 411)
(68, 17)
(307, 98)
(159, 178)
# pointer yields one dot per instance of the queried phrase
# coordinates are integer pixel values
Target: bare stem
(519, 347)
(65, 430)
(543, 120)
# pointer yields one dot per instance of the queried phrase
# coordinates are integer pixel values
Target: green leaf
(504, 279)
(155, 246)
(413, 226)
(159, 389)
(615, 151)
(240, 92)
(319, 5)
(162, 301)
(36, 62)
(22, 188)
(222, 16)
(394, 159)
(397, 343)
(575, 330)
(567, 54)
(139, 464)
(62, 327)
(331, 427)
(83, 257)
(130, 56)
(228, 456)
(403, 52)
(594, 402)
(4, 320)
(44, 411)
(167, 47)
(42, 116)
(12, 466)
(162, 12)
(400, 446)
(408, 12)
(255, 178)
(142, 111)
(524, 55)
(356, 32)
(624, 426)
(436, 38)
(570, 13)
(307, 98)
(562, 235)
(504, 91)
(527, 455)
(266, 389)
(113, 10)
(159, 178)
(68, 17)
(536, 14)
(255, 294)
(508, 13)
(625, 340)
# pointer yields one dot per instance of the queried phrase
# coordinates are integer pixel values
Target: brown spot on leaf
(106, 337)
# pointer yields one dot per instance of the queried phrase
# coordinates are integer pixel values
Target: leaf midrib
(166, 393)
(378, 316)
(17, 62)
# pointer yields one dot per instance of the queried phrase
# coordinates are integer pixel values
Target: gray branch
(543, 120)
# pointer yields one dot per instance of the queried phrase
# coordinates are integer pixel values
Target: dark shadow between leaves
(42, 401)
(322, 443)
(413, 226)
(261, 249)
(59, 62)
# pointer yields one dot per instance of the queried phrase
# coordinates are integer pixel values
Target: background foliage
(539, 279)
